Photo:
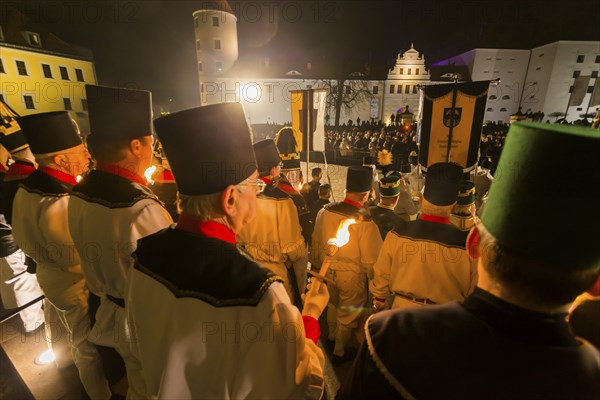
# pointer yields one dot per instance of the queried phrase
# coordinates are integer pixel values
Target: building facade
(403, 83)
(41, 73)
(537, 80)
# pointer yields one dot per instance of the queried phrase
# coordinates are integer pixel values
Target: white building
(551, 75)
(539, 79)
(403, 82)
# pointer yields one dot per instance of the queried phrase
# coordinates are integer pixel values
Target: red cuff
(312, 330)
(379, 299)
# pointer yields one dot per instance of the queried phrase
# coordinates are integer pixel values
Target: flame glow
(342, 237)
(148, 174)
(78, 178)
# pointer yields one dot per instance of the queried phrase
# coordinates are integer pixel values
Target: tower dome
(215, 28)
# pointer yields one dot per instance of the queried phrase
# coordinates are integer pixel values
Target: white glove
(316, 299)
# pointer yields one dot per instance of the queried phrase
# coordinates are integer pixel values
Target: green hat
(466, 194)
(389, 185)
(531, 187)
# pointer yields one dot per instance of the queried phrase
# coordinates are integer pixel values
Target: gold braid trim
(291, 156)
(381, 366)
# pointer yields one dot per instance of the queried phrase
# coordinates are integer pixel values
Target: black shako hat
(267, 156)
(50, 132)
(442, 183)
(359, 179)
(208, 148)
(287, 146)
(118, 112)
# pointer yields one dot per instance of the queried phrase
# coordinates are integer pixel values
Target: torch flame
(342, 237)
(148, 174)
(78, 178)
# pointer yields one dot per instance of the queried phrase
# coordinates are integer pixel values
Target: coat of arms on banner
(448, 115)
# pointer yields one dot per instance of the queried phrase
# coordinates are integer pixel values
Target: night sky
(150, 44)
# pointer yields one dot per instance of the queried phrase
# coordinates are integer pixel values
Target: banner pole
(454, 95)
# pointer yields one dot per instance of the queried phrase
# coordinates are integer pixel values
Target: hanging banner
(452, 120)
(315, 101)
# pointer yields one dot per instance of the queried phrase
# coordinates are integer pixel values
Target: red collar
(433, 218)
(266, 180)
(353, 203)
(164, 176)
(20, 169)
(210, 229)
(122, 172)
(61, 176)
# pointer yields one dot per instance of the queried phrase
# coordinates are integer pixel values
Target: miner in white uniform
(112, 208)
(351, 263)
(426, 261)
(40, 228)
(218, 325)
(274, 237)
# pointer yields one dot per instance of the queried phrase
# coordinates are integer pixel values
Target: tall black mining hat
(50, 132)
(359, 179)
(118, 112)
(287, 145)
(267, 156)
(208, 148)
(441, 183)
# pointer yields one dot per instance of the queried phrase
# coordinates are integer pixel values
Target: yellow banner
(296, 107)
(461, 133)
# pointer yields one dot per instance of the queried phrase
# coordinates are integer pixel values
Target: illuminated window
(217, 44)
(79, 74)
(399, 89)
(580, 58)
(407, 88)
(64, 74)
(29, 102)
(21, 68)
(409, 71)
(392, 88)
(67, 103)
(47, 71)
(215, 21)
(84, 104)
